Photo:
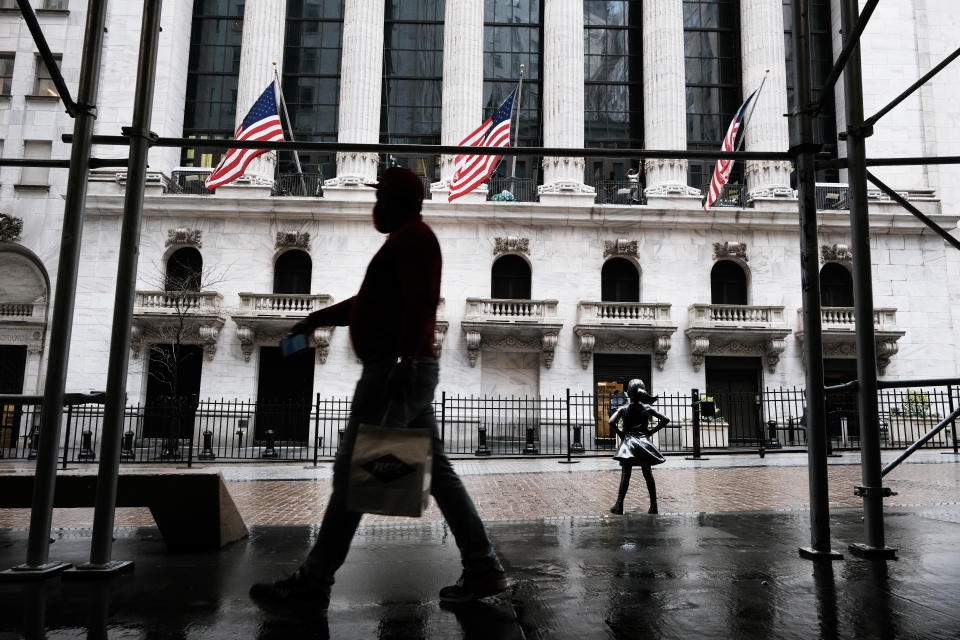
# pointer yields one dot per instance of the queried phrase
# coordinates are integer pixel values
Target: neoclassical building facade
(580, 280)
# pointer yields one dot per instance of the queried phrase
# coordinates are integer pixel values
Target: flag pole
(516, 107)
(283, 105)
(746, 120)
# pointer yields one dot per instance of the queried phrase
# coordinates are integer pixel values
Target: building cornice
(885, 218)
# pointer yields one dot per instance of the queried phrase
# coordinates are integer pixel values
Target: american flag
(724, 166)
(261, 123)
(471, 171)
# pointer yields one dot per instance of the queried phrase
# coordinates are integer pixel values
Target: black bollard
(530, 447)
(482, 449)
(126, 446)
(86, 447)
(772, 441)
(270, 452)
(34, 442)
(577, 446)
(207, 453)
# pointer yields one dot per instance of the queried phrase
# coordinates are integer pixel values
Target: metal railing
(619, 192)
(832, 196)
(190, 182)
(732, 195)
(477, 426)
(512, 189)
(305, 185)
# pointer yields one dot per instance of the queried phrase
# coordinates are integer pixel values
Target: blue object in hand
(293, 344)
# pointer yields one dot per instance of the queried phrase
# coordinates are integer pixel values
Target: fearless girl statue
(631, 421)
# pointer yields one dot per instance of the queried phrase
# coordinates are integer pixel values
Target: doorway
(734, 384)
(13, 362)
(284, 395)
(173, 391)
(611, 373)
(843, 420)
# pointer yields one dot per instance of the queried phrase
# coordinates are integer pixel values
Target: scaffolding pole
(41, 514)
(871, 489)
(819, 548)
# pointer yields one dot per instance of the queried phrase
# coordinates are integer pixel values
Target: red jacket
(395, 312)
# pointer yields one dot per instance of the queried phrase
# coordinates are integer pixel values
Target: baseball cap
(400, 183)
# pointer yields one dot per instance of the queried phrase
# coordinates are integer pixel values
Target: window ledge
(52, 12)
(31, 187)
(37, 98)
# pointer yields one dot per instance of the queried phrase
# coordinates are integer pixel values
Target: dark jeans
(415, 410)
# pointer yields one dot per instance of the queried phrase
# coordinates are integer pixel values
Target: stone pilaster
(462, 81)
(264, 25)
(664, 97)
(563, 100)
(361, 76)
(761, 34)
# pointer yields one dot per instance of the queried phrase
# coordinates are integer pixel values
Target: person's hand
(305, 326)
(402, 377)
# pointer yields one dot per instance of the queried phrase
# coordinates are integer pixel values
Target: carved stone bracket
(247, 339)
(10, 228)
(293, 240)
(835, 253)
(771, 353)
(439, 335)
(885, 350)
(511, 244)
(209, 334)
(660, 350)
(587, 342)
(321, 338)
(549, 345)
(723, 250)
(473, 346)
(185, 237)
(620, 247)
(698, 350)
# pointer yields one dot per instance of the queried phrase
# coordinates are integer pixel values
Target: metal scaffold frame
(804, 154)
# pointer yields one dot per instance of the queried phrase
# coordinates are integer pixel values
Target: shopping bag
(390, 471)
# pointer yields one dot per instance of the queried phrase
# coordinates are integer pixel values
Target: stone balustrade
(174, 302)
(281, 304)
(638, 313)
(494, 310)
(735, 315)
(624, 327)
(23, 311)
(844, 319)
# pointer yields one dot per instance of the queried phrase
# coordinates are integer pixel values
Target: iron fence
(189, 183)
(832, 196)
(732, 195)
(231, 430)
(512, 189)
(309, 185)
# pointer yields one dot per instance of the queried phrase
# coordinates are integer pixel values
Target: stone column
(264, 24)
(562, 87)
(664, 97)
(361, 79)
(462, 81)
(761, 36)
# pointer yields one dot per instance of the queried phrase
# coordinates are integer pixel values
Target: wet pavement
(718, 573)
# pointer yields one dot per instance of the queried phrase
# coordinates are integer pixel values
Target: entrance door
(173, 391)
(611, 373)
(13, 361)
(841, 408)
(284, 395)
(734, 384)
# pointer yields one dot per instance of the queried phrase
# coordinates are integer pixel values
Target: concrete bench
(192, 509)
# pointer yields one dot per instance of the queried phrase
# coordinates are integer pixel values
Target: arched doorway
(292, 272)
(510, 278)
(728, 283)
(619, 281)
(184, 270)
(836, 286)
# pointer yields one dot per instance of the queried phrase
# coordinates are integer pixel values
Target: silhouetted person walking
(392, 320)
(636, 450)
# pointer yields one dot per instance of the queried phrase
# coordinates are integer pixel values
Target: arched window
(184, 269)
(291, 273)
(728, 283)
(619, 281)
(510, 278)
(836, 286)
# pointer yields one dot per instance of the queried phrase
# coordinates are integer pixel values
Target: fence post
(758, 407)
(571, 446)
(695, 410)
(443, 418)
(317, 438)
(270, 451)
(953, 425)
(126, 443)
(66, 438)
(530, 448)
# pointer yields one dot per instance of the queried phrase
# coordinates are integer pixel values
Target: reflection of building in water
(571, 285)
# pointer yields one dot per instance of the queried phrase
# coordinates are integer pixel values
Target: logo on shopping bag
(388, 468)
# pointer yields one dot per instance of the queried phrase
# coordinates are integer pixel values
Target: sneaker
(473, 586)
(296, 595)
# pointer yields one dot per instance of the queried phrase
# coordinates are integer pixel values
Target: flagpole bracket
(859, 131)
(146, 134)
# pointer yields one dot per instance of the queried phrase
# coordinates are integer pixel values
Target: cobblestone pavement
(511, 490)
